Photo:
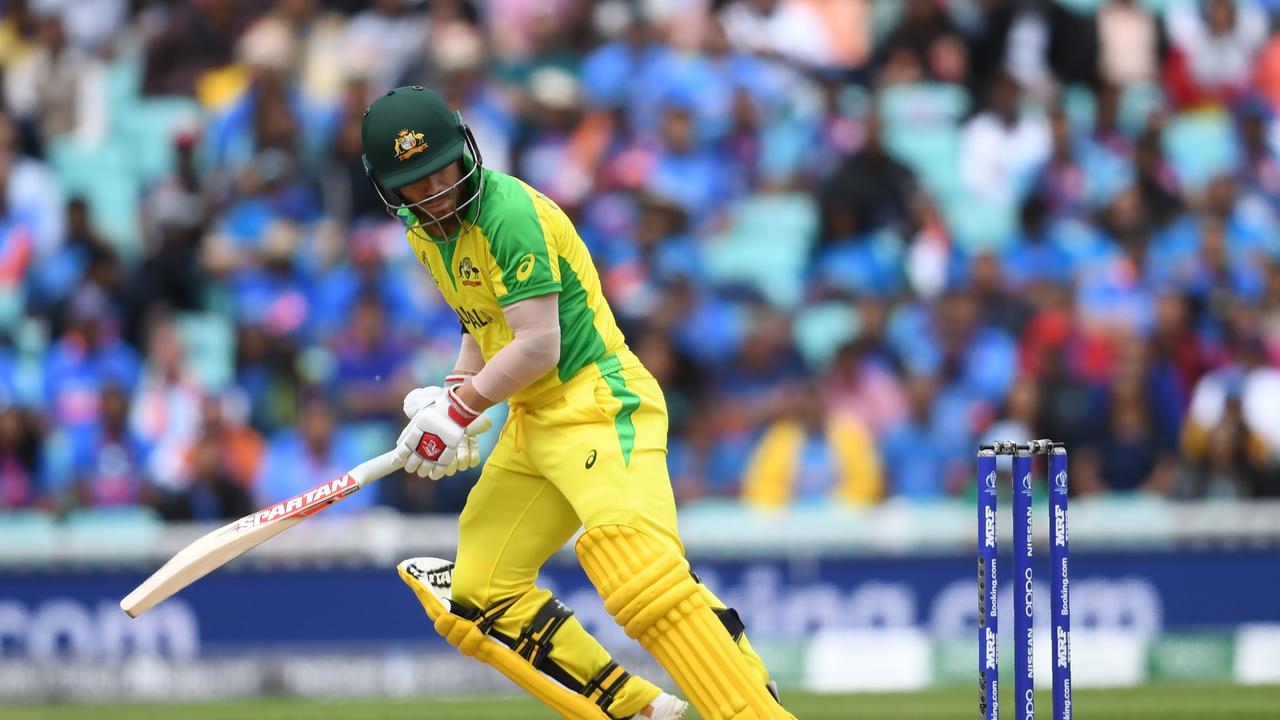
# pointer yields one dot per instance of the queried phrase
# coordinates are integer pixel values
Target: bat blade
(198, 559)
(217, 548)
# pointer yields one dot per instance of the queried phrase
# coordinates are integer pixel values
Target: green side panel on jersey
(630, 401)
(580, 342)
(511, 224)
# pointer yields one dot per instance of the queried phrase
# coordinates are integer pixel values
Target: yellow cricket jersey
(522, 246)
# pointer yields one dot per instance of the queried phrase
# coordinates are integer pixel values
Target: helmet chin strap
(414, 224)
(433, 228)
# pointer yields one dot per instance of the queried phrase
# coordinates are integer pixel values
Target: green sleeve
(524, 259)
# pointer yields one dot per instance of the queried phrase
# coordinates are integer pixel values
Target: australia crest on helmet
(409, 143)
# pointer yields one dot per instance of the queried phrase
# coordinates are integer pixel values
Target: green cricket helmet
(409, 134)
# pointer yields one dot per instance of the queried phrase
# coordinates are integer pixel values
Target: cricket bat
(236, 538)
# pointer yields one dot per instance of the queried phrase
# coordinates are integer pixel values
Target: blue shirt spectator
(110, 458)
(372, 365)
(86, 359)
(917, 466)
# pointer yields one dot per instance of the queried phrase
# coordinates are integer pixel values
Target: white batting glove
(468, 451)
(429, 443)
(414, 401)
(418, 398)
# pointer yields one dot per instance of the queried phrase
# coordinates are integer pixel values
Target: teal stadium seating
(110, 531)
(766, 246)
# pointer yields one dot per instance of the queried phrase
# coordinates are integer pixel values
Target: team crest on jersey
(409, 143)
(469, 273)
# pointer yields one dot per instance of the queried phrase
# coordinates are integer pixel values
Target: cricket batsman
(584, 445)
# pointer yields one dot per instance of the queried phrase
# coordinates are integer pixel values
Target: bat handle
(376, 468)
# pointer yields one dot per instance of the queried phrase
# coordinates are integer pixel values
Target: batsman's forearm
(533, 352)
(470, 359)
(472, 397)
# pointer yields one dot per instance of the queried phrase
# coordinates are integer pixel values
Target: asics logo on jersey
(591, 460)
(525, 268)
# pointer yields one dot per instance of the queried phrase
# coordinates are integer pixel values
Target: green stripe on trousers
(630, 401)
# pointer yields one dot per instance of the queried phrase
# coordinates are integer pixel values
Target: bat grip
(376, 468)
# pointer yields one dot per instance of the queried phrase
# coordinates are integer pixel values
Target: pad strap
(465, 635)
(534, 642)
(534, 645)
(729, 618)
(484, 619)
(602, 688)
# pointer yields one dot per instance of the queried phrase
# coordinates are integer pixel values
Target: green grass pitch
(1201, 702)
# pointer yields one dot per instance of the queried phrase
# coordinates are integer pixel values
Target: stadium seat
(980, 225)
(766, 246)
(1159, 7)
(103, 175)
(1080, 106)
(1200, 145)
(884, 15)
(924, 104)
(110, 531)
(31, 341)
(26, 535)
(922, 130)
(209, 340)
(1083, 7)
(149, 128)
(124, 85)
(12, 305)
(145, 125)
(1138, 517)
(1089, 7)
(1137, 102)
(820, 330)
(932, 153)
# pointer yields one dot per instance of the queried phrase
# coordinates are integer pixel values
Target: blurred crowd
(852, 238)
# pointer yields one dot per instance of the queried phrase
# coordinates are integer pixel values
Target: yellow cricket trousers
(593, 455)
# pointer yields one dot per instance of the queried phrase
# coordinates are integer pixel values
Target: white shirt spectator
(166, 408)
(786, 28)
(997, 160)
(1127, 43)
(1259, 400)
(1218, 60)
(382, 45)
(64, 91)
(1026, 58)
(92, 25)
(33, 192)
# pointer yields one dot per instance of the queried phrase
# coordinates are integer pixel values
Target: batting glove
(467, 450)
(429, 443)
(419, 398)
